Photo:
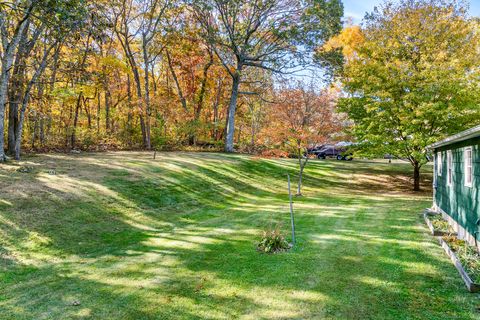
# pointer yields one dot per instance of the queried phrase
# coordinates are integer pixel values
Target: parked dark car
(315, 149)
(333, 151)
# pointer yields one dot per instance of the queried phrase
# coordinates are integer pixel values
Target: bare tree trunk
(39, 116)
(75, 121)
(129, 116)
(416, 176)
(53, 77)
(107, 100)
(144, 132)
(98, 113)
(230, 128)
(42, 131)
(34, 132)
(148, 143)
(12, 119)
(15, 94)
(215, 110)
(86, 106)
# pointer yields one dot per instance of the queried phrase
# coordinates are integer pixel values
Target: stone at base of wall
(461, 232)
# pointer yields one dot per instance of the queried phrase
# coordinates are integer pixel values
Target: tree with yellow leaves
(411, 76)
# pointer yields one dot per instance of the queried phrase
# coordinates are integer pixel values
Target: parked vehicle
(315, 149)
(339, 152)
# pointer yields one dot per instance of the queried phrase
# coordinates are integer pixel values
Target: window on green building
(449, 168)
(439, 163)
(468, 166)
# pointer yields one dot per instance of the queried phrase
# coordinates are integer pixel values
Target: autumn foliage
(148, 74)
(300, 117)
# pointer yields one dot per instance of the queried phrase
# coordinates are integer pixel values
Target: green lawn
(129, 237)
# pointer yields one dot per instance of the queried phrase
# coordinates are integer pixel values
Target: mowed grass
(124, 236)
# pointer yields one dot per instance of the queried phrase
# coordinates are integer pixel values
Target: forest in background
(160, 74)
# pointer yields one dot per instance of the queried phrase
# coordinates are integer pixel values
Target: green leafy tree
(414, 78)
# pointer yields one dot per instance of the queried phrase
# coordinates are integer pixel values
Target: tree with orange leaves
(301, 117)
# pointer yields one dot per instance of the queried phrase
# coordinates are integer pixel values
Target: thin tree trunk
(39, 115)
(86, 106)
(177, 83)
(215, 110)
(129, 115)
(203, 87)
(144, 132)
(35, 128)
(16, 88)
(53, 77)
(148, 143)
(12, 119)
(107, 100)
(42, 131)
(253, 131)
(200, 99)
(98, 112)
(302, 165)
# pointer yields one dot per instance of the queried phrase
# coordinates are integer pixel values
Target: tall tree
(276, 35)
(46, 23)
(414, 78)
(137, 23)
(14, 20)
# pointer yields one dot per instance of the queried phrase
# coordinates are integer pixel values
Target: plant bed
(465, 258)
(437, 225)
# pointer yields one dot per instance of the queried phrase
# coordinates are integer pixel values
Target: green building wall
(458, 201)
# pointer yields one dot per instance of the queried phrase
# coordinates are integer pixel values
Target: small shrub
(273, 241)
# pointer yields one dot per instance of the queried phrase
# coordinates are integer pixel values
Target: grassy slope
(130, 237)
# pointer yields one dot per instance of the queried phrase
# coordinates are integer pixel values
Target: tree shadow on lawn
(363, 177)
(362, 277)
(346, 278)
(101, 222)
(53, 291)
(172, 199)
(204, 200)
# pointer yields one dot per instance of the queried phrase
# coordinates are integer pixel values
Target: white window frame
(439, 163)
(468, 166)
(449, 168)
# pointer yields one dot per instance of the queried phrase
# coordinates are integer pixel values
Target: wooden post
(154, 154)
(291, 210)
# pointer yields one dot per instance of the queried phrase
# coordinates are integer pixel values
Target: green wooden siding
(458, 201)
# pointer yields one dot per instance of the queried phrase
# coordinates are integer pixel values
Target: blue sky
(357, 8)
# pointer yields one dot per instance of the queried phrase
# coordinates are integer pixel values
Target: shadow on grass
(198, 217)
